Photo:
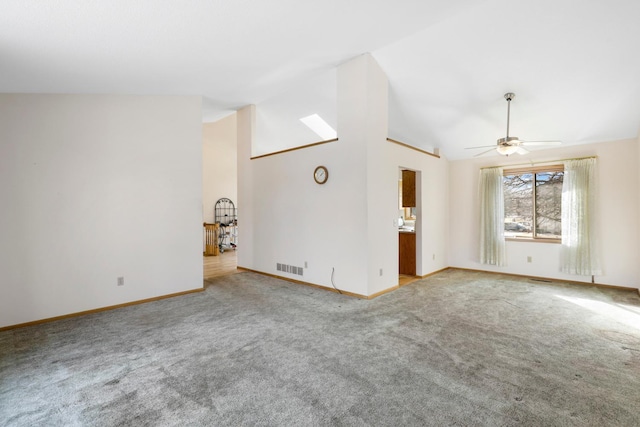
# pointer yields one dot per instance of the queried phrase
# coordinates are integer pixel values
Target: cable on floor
(333, 269)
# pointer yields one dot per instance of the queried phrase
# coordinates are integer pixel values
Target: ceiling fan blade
(541, 142)
(484, 152)
(481, 146)
(521, 150)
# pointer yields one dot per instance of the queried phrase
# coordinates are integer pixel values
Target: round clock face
(321, 174)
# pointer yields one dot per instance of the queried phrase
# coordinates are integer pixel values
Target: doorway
(220, 182)
(408, 224)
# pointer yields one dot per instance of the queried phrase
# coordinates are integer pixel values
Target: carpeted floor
(457, 348)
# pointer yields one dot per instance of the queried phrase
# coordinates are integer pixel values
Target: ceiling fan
(511, 144)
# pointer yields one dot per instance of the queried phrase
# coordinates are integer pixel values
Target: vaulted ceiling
(574, 66)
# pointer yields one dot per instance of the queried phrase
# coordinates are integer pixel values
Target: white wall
(617, 207)
(246, 122)
(384, 160)
(293, 219)
(347, 223)
(95, 187)
(432, 227)
(219, 164)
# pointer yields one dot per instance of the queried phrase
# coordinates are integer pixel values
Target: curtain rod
(532, 163)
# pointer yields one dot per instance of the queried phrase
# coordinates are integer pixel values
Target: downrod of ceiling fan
(508, 96)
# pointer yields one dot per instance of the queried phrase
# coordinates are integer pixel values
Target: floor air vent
(289, 269)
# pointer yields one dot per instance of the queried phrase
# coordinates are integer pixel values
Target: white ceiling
(574, 65)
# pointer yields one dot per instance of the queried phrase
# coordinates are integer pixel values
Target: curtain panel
(492, 244)
(579, 249)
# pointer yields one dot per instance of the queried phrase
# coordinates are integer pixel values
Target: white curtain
(492, 246)
(578, 253)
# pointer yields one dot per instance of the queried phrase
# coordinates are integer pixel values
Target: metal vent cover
(292, 269)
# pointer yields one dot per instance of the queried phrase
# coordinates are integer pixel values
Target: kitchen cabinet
(407, 253)
(408, 189)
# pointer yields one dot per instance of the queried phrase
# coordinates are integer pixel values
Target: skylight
(320, 127)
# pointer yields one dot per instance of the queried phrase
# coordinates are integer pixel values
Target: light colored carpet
(457, 348)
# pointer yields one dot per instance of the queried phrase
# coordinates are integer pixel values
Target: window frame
(533, 170)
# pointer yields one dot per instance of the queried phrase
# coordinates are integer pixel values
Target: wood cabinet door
(408, 189)
(407, 254)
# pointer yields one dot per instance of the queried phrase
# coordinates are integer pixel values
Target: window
(533, 203)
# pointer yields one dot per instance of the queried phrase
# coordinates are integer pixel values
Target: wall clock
(321, 174)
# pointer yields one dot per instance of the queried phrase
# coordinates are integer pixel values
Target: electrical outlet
(528, 259)
(381, 272)
(434, 257)
(305, 265)
(120, 281)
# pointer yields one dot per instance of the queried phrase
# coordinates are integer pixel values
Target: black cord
(333, 269)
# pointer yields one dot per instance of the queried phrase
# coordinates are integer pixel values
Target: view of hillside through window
(532, 204)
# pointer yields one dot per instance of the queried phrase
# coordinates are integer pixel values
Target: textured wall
(219, 164)
(94, 188)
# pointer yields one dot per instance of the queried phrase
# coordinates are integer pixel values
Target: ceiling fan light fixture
(507, 150)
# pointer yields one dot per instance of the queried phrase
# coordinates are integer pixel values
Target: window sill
(530, 239)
